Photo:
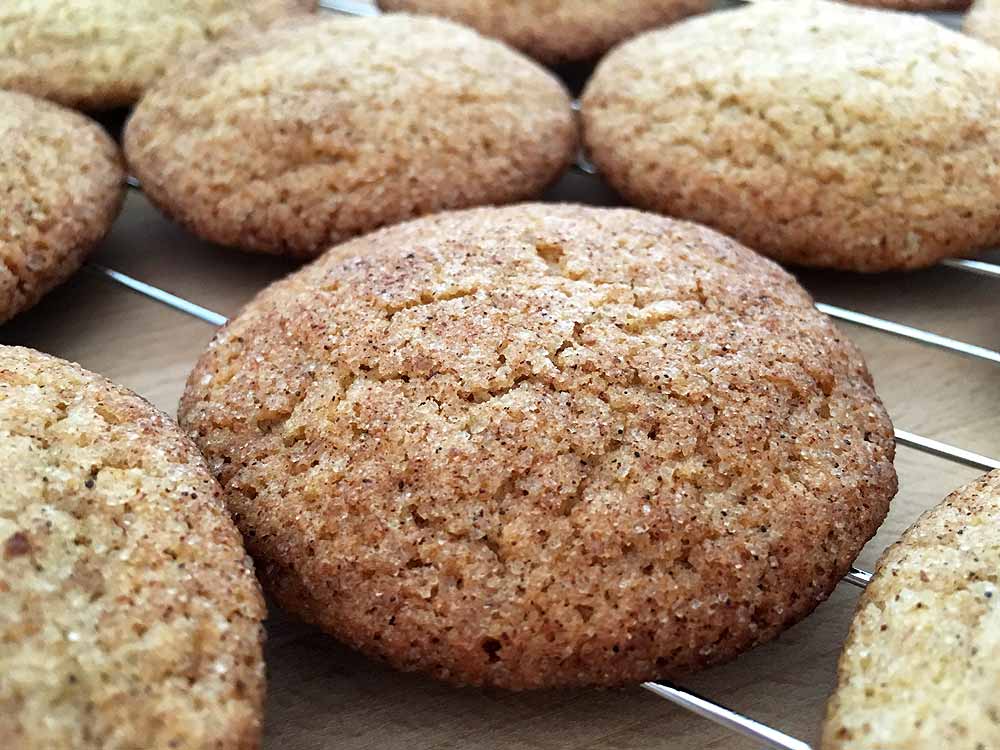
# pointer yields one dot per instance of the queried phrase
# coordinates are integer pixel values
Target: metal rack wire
(732, 720)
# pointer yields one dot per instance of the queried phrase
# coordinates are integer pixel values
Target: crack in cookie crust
(544, 445)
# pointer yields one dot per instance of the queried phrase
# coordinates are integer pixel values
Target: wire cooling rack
(735, 721)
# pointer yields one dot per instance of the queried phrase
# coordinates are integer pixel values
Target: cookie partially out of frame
(544, 445)
(310, 133)
(817, 133)
(129, 613)
(97, 54)
(61, 187)
(918, 671)
(560, 30)
(983, 21)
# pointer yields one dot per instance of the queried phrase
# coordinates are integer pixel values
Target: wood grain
(322, 695)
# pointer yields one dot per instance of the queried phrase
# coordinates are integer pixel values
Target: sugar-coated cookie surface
(555, 31)
(983, 21)
(818, 133)
(62, 184)
(129, 613)
(918, 671)
(544, 445)
(313, 132)
(96, 54)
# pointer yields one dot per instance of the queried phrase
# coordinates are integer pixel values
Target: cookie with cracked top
(560, 31)
(544, 445)
(818, 133)
(129, 612)
(62, 182)
(917, 671)
(99, 54)
(315, 131)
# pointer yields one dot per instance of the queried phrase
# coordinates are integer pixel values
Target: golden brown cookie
(62, 183)
(918, 671)
(129, 614)
(983, 21)
(544, 445)
(96, 54)
(560, 30)
(305, 135)
(818, 133)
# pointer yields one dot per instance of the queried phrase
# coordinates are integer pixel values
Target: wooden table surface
(322, 695)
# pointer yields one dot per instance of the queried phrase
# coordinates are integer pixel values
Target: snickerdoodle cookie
(544, 445)
(919, 671)
(559, 31)
(818, 133)
(97, 54)
(316, 131)
(983, 21)
(62, 184)
(129, 614)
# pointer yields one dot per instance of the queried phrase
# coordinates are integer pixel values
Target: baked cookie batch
(506, 444)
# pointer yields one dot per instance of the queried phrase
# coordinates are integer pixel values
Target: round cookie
(129, 613)
(97, 54)
(983, 21)
(307, 134)
(817, 133)
(544, 445)
(917, 671)
(62, 183)
(560, 31)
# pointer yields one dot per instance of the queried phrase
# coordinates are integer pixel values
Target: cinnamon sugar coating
(544, 445)
(815, 132)
(130, 618)
(322, 129)
(917, 671)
